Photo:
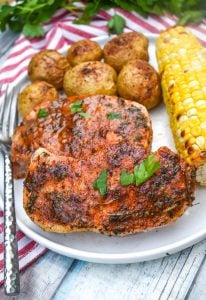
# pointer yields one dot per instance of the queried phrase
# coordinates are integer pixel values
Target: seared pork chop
(110, 121)
(59, 195)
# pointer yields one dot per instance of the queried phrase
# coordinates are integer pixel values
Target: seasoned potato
(90, 78)
(50, 66)
(127, 46)
(35, 93)
(84, 50)
(138, 81)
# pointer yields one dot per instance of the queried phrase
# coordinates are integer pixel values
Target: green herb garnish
(146, 169)
(100, 183)
(126, 178)
(76, 107)
(42, 113)
(116, 24)
(84, 114)
(142, 172)
(28, 15)
(113, 115)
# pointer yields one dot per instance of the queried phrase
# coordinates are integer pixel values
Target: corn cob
(182, 65)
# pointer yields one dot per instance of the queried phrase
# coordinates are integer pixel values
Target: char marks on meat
(66, 202)
(58, 191)
(63, 133)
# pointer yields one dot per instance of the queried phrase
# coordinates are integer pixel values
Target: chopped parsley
(142, 172)
(113, 115)
(76, 107)
(100, 183)
(42, 113)
(84, 114)
(126, 178)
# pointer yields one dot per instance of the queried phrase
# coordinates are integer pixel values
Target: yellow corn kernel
(182, 62)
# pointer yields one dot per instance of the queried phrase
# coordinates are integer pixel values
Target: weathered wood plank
(198, 289)
(166, 278)
(41, 280)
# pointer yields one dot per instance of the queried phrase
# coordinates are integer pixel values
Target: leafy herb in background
(142, 172)
(42, 113)
(28, 15)
(100, 183)
(116, 24)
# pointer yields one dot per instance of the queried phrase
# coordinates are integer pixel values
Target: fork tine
(13, 112)
(6, 113)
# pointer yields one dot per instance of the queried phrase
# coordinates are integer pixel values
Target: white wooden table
(179, 276)
(53, 276)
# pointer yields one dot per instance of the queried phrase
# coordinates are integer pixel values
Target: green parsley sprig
(142, 172)
(27, 16)
(100, 183)
(113, 116)
(42, 113)
(76, 107)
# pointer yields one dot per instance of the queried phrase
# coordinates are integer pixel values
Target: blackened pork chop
(59, 194)
(106, 121)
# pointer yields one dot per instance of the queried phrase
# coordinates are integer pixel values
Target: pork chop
(109, 120)
(59, 195)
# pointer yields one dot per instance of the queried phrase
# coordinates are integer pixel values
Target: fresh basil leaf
(113, 115)
(84, 114)
(116, 24)
(100, 183)
(42, 113)
(76, 107)
(126, 178)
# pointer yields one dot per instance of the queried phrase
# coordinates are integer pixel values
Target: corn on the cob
(182, 65)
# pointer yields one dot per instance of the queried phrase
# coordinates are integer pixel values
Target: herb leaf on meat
(84, 115)
(113, 115)
(76, 107)
(100, 183)
(126, 178)
(146, 169)
(42, 113)
(142, 172)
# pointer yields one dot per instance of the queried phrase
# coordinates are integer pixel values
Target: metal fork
(8, 121)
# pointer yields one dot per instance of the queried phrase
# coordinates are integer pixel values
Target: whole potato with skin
(35, 93)
(84, 50)
(139, 81)
(125, 47)
(50, 66)
(90, 78)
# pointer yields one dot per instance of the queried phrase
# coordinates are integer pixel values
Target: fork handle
(11, 265)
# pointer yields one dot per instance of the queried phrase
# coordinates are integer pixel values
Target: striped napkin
(60, 32)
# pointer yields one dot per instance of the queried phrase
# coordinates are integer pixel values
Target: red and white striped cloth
(61, 32)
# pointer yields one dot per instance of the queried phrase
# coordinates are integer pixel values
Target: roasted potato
(84, 50)
(90, 78)
(35, 93)
(139, 81)
(50, 66)
(126, 46)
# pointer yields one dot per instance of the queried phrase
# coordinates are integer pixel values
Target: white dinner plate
(94, 247)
